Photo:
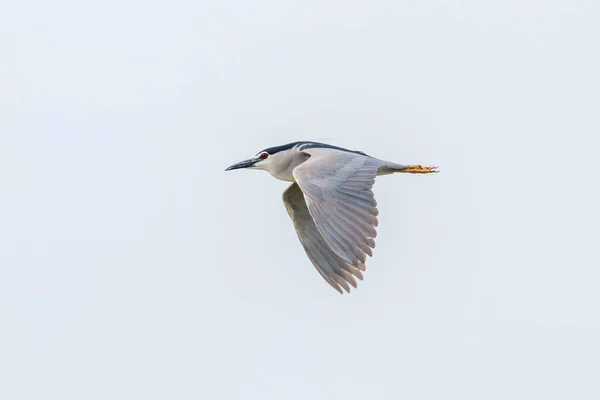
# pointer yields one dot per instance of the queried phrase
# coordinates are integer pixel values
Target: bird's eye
(264, 156)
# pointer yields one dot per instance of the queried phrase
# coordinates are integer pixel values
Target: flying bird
(330, 202)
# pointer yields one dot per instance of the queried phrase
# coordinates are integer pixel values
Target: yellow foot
(418, 169)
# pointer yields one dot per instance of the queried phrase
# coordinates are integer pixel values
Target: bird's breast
(285, 175)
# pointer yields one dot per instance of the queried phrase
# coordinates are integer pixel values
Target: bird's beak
(244, 164)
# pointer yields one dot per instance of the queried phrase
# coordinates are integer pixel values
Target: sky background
(133, 267)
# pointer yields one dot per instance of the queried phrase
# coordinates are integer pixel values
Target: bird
(330, 202)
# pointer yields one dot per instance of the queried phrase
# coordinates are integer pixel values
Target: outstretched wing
(337, 189)
(337, 272)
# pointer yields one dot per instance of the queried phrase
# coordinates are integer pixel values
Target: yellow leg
(419, 169)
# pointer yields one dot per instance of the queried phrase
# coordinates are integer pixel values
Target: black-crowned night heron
(330, 202)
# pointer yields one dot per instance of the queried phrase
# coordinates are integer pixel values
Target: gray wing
(332, 268)
(337, 189)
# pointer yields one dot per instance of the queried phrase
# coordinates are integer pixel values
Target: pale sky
(133, 267)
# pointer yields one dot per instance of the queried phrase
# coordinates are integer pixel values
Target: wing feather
(337, 188)
(337, 272)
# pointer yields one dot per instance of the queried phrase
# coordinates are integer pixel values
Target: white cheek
(271, 165)
(264, 164)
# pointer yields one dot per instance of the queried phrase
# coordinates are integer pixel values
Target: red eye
(264, 156)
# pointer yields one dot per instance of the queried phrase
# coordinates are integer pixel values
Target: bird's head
(278, 161)
(260, 161)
